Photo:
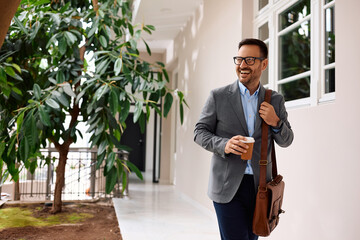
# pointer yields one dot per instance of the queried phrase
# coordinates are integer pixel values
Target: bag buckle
(263, 162)
(262, 189)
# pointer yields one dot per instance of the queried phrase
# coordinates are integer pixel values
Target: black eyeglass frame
(246, 60)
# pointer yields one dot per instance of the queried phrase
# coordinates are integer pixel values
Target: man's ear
(264, 64)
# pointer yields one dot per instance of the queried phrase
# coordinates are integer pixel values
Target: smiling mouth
(244, 71)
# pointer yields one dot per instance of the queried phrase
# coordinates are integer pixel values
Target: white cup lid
(248, 140)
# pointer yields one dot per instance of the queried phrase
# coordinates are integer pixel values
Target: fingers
(235, 146)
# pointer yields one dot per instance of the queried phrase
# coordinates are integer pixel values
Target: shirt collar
(244, 91)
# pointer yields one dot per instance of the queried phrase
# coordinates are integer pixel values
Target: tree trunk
(6, 14)
(17, 186)
(60, 180)
(17, 190)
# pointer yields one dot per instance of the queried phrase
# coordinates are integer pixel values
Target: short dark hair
(257, 42)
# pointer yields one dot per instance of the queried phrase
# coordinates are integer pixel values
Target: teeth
(245, 71)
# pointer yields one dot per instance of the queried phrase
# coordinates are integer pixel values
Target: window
(264, 35)
(263, 3)
(328, 65)
(300, 35)
(294, 51)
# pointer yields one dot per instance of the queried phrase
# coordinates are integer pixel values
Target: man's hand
(235, 146)
(267, 112)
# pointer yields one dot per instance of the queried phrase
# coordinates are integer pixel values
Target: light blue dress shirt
(250, 105)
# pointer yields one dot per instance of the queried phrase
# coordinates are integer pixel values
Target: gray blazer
(222, 118)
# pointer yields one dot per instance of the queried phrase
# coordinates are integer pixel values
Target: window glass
(295, 51)
(263, 3)
(264, 79)
(329, 35)
(294, 14)
(328, 1)
(295, 89)
(330, 80)
(264, 32)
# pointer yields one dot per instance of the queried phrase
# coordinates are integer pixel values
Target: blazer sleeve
(205, 129)
(283, 135)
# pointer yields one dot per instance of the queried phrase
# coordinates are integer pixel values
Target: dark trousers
(235, 218)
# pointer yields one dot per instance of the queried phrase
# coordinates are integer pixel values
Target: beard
(249, 76)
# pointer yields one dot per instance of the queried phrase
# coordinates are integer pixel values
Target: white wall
(321, 166)
(203, 52)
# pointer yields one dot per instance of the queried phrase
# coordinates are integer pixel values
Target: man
(230, 114)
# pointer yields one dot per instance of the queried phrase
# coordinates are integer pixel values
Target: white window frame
(270, 14)
(325, 97)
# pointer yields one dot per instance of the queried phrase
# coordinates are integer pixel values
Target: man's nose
(243, 63)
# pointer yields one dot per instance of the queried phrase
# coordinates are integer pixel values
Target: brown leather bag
(270, 195)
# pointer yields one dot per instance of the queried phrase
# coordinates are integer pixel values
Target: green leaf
(138, 111)
(93, 125)
(181, 113)
(114, 102)
(147, 47)
(101, 91)
(102, 147)
(12, 144)
(67, 89)
(166, 74)
(100, 129)
(111, 179)
(94, 27)
(133, 44)
(167, 104)
(52, 103)
(110, 160)
(101, 68)
(56, 18)
(62, 46)
(33, 165)
(70, 38)
(100, 159)
(17, 91)
(16, 67)
(19, 122)
(31, 132)
(103, 41)
(60, 77)
(37, 91)
(63, 99)
(20, 25)
(124, 113)
(134, 169)
(44, 116)
(142, 122)
(10, 71)
(131, 29)
(24, 149)
(2, 149)
(151, 27)
(117, 66)
(52, 80)
(52, 39)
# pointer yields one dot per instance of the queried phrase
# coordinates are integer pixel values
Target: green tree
(45, 78)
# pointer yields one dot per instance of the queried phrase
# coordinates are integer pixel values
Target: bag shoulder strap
(263, 157)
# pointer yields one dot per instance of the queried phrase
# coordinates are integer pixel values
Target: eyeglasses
(248, 60)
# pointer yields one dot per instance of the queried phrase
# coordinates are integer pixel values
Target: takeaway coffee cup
(250, 142)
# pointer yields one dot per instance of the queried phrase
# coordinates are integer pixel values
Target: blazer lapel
(236, 104)
(259, 120)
